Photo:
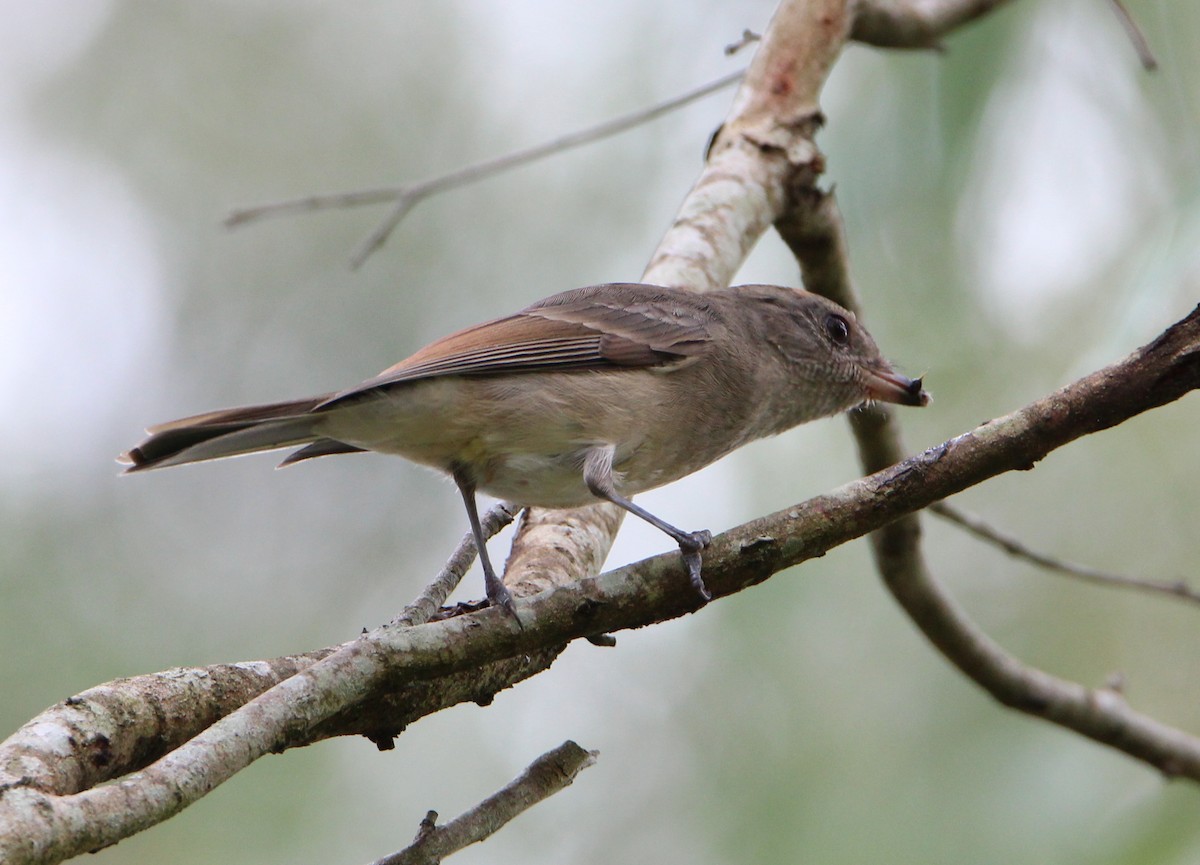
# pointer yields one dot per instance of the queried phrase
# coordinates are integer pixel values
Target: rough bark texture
(183, 732)
(36, 825)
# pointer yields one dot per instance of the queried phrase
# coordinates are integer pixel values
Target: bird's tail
(230, 432)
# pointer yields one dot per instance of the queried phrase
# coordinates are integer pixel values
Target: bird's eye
(838, 329)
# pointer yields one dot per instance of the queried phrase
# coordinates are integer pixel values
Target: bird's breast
(525, 437)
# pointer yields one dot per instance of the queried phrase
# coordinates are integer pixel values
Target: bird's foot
(499, 596)
(690, 546)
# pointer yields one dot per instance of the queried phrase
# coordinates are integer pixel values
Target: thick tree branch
(36, 826)
(761, 164)
(762, 152)
(124, 725)
(765, 142)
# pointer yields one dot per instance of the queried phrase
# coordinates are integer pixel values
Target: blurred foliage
(1022, 208)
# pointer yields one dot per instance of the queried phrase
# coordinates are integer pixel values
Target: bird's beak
(888, 386)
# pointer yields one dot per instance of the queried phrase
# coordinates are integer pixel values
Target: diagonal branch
(814, 232)
(405, 198)
(37, 826)
(1178, 589)
(764, 143)
(1140, 44)
(762, 162)
(914, 23)
(423, 608)
(124, 725)
(545, 776)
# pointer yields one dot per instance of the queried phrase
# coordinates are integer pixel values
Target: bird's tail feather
(226, 433)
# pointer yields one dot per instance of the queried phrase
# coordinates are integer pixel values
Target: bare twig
(923, 23)
(1136, 36)
(407, 197)
(544, 777)
(914, 23)
(432, 597)
(748, 37)
(427, 826)
(1012, 546)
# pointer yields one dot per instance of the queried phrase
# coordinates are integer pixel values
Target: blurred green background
(1021, 209)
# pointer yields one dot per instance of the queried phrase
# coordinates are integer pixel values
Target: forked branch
(39, 825)
(762, 166)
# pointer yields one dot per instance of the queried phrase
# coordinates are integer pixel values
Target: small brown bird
(600, 392)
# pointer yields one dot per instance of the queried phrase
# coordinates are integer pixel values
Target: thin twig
(544, 777)
(1136, 36)
(432, 597)
(408, 196)
(1012, 546)
(748, 37)
(914, 23)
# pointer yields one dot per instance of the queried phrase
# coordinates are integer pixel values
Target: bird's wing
(600, 327)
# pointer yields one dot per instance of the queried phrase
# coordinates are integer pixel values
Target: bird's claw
(690, 546)
(499, 596)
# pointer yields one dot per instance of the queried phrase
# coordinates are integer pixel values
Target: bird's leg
(598, 475)
(497, 593)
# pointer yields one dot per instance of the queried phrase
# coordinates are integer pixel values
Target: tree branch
(124, 725)
(37, 826)
(813, 230)
(1177, 589)
(765, 142)
(1136, 37)
(914, 23)
(426, 604)
(761, 165)
(405, 198)
(922, 23)
(545, 776)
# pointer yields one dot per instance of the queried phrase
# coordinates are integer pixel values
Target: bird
(597, 393)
